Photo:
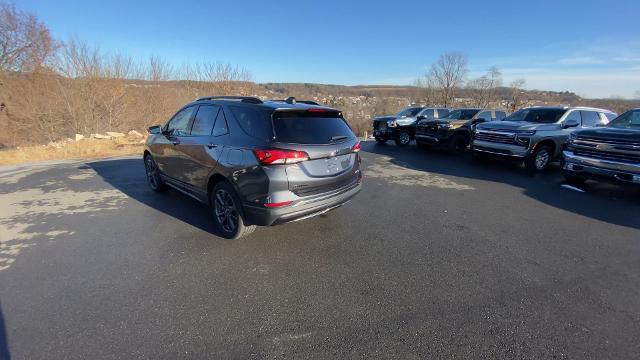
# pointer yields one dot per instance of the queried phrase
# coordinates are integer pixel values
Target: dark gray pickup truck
(610, 152)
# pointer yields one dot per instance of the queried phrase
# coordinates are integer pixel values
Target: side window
(254, 123)
(500, 115)
(610, 116)
(574, 115)
(590, 118)
(179, 124)
(203, 122)
(485, 115)
(428, 113)
(220, 127)
(442, 113)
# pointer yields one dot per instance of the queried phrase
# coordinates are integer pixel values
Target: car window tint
(574, 115)
(253, 122)
(630, 119)
(427, 113)
(442, 113)
(610, 116)
(310, 130)
(220, 127)
(204, 119)
(590, 118)
(485, 115)
(500, 115)
(179, 124)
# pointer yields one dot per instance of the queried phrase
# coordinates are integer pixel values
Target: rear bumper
(493, 148)
(303, 209)
(599, 168)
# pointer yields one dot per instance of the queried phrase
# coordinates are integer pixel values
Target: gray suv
(535, 135)
(255, 162)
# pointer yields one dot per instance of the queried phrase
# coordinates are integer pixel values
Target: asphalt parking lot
(438, 257)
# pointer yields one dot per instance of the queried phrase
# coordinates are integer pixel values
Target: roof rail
(247, 99)
(292, 100)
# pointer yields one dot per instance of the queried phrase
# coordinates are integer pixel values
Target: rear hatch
(329, 143)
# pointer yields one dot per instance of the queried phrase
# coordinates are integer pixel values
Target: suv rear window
(310, 130)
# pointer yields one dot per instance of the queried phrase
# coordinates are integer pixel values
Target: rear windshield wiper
(338, 137)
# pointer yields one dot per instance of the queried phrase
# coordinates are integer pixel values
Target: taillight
(277, 205)
(356, 147)
(279, 156)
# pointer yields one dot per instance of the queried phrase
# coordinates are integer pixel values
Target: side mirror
(155, 130)
(570, 123)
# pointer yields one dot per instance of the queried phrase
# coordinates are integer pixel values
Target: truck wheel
(458, 143)
(539, 160)
(381, 140)
(403, 138)
(575, 179)
(227, 212)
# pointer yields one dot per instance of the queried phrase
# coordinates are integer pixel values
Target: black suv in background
(609, 152)
(255, 162)
(455, 130)
(401, 126)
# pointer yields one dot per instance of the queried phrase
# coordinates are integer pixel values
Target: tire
(539, 160)
(153, 175)
(381, 140)
(403, 138)
(458, 143)
(226, 209)
(575, 179)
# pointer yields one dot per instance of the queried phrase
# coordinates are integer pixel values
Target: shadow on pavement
(602, 201)
(4, 345)
(128, 176)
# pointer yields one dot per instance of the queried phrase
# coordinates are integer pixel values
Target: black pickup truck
(609, 152)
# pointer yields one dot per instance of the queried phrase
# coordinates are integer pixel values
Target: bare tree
(448, 74)
(25, 43)
(516, 94)
(483, 90)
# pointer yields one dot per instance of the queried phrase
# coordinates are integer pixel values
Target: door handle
(212, 145)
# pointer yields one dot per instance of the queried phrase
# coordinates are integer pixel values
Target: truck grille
(427, 129)
(380, 125)
(497, 136)
(607, 149)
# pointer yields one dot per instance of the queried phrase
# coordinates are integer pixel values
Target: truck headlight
(444, 126)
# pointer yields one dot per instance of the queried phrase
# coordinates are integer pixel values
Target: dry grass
(83, 149)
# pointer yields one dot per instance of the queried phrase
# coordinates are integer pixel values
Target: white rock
(135, 133)
(115, 134)
(79, 137)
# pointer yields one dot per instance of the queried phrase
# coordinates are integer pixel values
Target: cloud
(585, 82)
(582, 60)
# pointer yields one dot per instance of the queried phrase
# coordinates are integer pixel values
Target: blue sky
(589, 47)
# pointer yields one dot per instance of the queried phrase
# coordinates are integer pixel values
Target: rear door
(329, 142)
(201, 150)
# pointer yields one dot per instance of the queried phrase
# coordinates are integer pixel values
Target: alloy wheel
(225, 211)
(152, 172)
(542, 158)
